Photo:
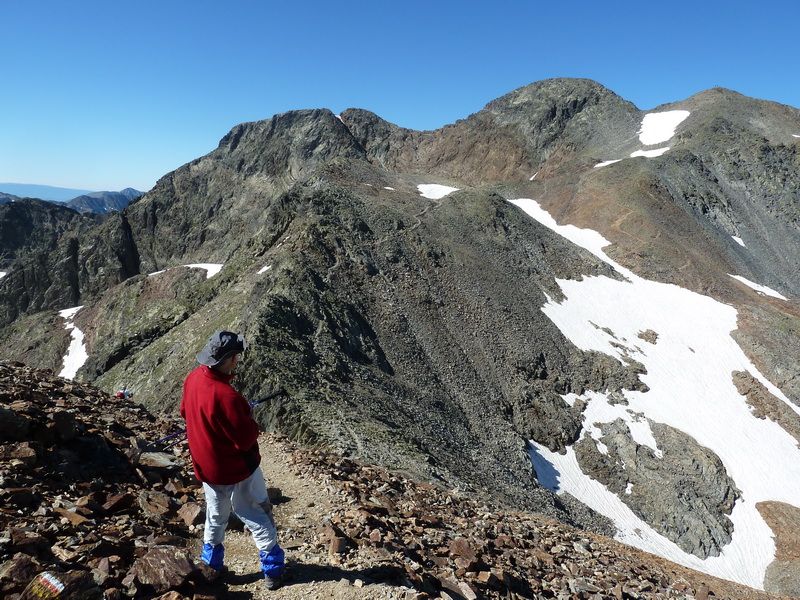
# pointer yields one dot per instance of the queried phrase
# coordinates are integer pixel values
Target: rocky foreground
(85, 496)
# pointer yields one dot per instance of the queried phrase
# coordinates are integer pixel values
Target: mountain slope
(29, 225)
(439, 333)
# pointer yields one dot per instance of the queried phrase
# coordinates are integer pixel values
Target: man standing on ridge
(223, 442)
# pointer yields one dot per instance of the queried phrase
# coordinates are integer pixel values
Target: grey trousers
(249, 501)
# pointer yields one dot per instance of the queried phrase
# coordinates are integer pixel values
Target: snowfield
(761, 289)
(689, 373)
(3, 274)
(76, 354)
(659, 127)
(739, 241)
(434, 191)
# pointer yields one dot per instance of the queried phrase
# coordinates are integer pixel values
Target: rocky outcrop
(87, 495)
(83, 263)
(765, 405)
(784, 520)
(685, 493)
(31, 225)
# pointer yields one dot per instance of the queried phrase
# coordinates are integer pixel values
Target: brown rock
(617, 591)
(118, 502)
(24, 453)
(17, 572)
(153, 504)
(465, 564)
(338, 545)
(173, 595)
(467, 591)
(91, 501)
(459, 587)
(71, 516)
(27, 539)
(157, 460)
(649, 336)
(191, 513)
(461, 547)
(63, 553)
(161, 568)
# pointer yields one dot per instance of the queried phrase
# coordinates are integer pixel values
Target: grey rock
(686, 494)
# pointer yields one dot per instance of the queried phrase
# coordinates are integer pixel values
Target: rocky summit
(561, 303)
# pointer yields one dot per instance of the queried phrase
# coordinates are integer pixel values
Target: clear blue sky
(104, 95)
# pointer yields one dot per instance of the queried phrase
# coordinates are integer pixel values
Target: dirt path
(300, 515)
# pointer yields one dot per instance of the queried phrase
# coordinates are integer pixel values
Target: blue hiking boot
(213, 556)
(273, 565)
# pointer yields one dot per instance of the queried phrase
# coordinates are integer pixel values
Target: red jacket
(220, 428)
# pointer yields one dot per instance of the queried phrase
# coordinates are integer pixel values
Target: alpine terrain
(559, 305)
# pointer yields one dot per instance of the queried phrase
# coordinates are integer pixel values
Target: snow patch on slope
(3, 274)
(689, 373)
(659, 127)
(210, 268)
(649, 153)
(739, 241)
(434, 191)
(76, 355)
(761, 289)
(264, 269)
(605, 163)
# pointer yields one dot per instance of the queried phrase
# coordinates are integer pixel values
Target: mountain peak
(288, 144)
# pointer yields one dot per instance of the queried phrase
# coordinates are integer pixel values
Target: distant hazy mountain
(43, 192)
(6, 198)
(103, 202)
